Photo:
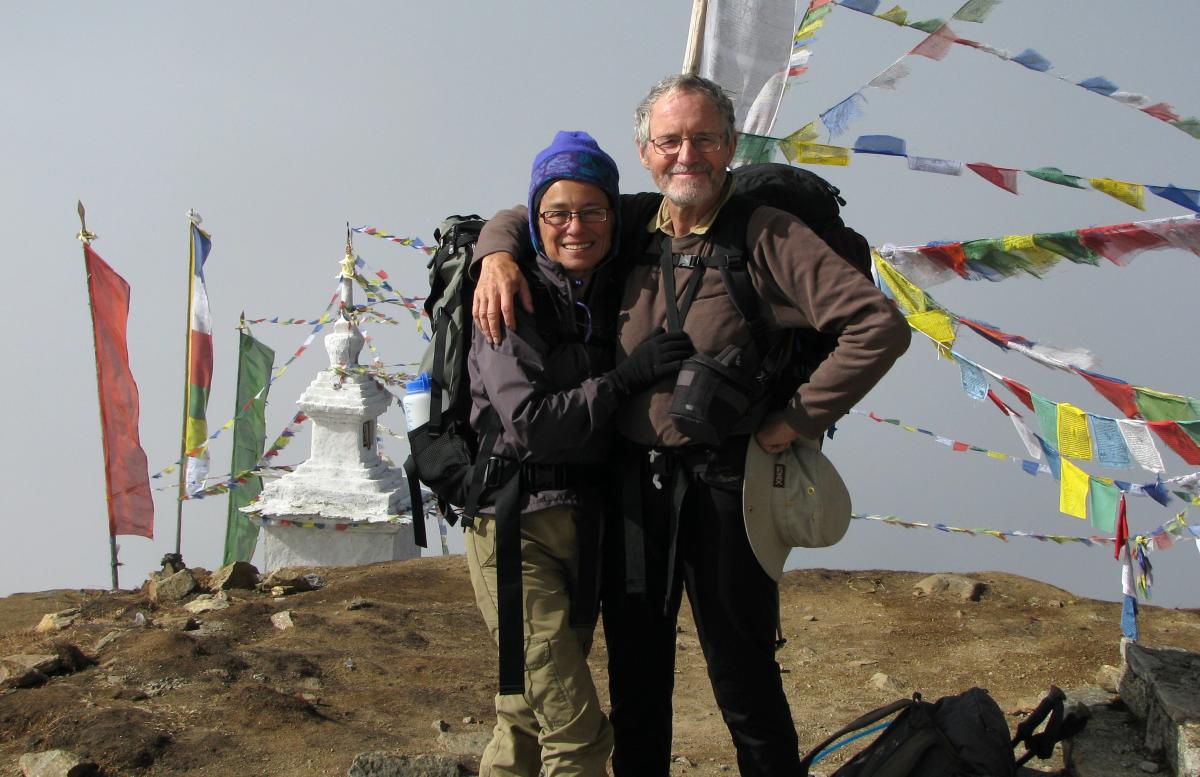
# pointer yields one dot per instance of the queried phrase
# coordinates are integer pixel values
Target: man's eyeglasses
(704, 143)
(558, 218)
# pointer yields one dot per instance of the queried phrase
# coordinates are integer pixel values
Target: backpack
(443, 450)
(956, 736)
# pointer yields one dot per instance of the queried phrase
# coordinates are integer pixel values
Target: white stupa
(342, 506)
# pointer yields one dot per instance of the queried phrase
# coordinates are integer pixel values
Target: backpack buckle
(687, 261)
(493, 472)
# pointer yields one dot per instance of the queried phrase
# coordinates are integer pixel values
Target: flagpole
(695, 44)
(86, 238)
(187, 361)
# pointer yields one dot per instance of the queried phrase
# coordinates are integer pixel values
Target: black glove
(655, 358)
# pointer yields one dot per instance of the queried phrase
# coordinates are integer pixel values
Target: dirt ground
(240, 696)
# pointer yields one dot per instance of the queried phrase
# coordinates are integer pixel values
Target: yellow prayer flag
(935, 323)
(997, 455)
(909, 297)
(1072, 497)
(895, 15)
(806, 134)
(808, 29)
(1018, 242)
(1129, 193)
(1073, 438)
(814, 153)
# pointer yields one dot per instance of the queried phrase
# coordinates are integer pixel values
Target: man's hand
(775, 434)
(500, 281)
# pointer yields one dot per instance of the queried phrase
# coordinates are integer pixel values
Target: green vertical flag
(249, 435)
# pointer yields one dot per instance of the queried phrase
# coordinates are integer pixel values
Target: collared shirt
(662, 219)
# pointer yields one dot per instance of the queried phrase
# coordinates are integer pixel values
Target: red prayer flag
(960, 446)
(130, 508)
(937, 45)
(1118, 392)
(1004, 177)
(1122, 528)
(948, 255)
(1020, 392)
(1117, 241)
(1161, 111)
(1179, 440)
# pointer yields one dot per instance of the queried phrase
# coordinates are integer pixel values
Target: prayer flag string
(925, 313)
(411, 242)
(941, 37)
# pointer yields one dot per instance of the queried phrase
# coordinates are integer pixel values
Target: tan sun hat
(793, 499)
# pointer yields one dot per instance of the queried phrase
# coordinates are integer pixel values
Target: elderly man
(683, 526)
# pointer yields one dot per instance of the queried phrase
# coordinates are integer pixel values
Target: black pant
(735, 607)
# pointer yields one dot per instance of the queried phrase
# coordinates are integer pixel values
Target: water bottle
(416, 401)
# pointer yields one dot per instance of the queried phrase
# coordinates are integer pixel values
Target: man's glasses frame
(702, 142)
(560, 218)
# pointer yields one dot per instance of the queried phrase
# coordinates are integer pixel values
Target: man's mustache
(698, 167)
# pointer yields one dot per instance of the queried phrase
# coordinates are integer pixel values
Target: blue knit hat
(574, 156)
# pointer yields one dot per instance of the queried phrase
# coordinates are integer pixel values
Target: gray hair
(687, 82)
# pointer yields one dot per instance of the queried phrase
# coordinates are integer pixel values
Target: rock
(282, 620)
(287, 578)
(239, 574)
(178, 622)
(108, 639)
(394, 765)
(810, 618)
(440, 726)
(56, 763)
(359, 603)
(885, 682)
(206, 603)
(964, 588)
(173, 587)
(465, 744)
(1107, 677)
(14, 676)
(57, 621)
(470, 719)
(1149, 767)
(349, 664)
(1162, 688)
(172, 563)
(283, 590)
(864, 662)
(46, 663)
(683, 759)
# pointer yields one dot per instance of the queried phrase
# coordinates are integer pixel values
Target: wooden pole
(86, 238)
(695, 42)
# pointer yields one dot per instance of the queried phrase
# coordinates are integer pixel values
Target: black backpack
(443, 451)
(956, 736)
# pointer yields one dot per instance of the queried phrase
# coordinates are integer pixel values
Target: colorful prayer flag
(1004, 177)
(200, 363)
(1129, 193)
(1073, 438)
(127, 481)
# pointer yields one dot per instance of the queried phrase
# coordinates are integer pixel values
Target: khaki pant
(557, 724)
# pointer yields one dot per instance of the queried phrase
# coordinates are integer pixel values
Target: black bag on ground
(957, 736)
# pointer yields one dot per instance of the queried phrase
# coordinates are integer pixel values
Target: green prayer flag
(754, 149)
(819, 13)
(1103, 498)
(1047, 413)
(975, 10)
(928, 26)
(249, 433)
(1190, 125)
(990, 253)
(1054, 175)
(1157, 406)
(1066, 245)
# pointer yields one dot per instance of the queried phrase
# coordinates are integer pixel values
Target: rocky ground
(279, 680)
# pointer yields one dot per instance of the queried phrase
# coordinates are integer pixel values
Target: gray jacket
(546, 384)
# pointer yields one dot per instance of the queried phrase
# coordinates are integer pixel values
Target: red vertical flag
(130, 508)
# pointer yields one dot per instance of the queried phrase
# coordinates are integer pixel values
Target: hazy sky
(279, 122)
